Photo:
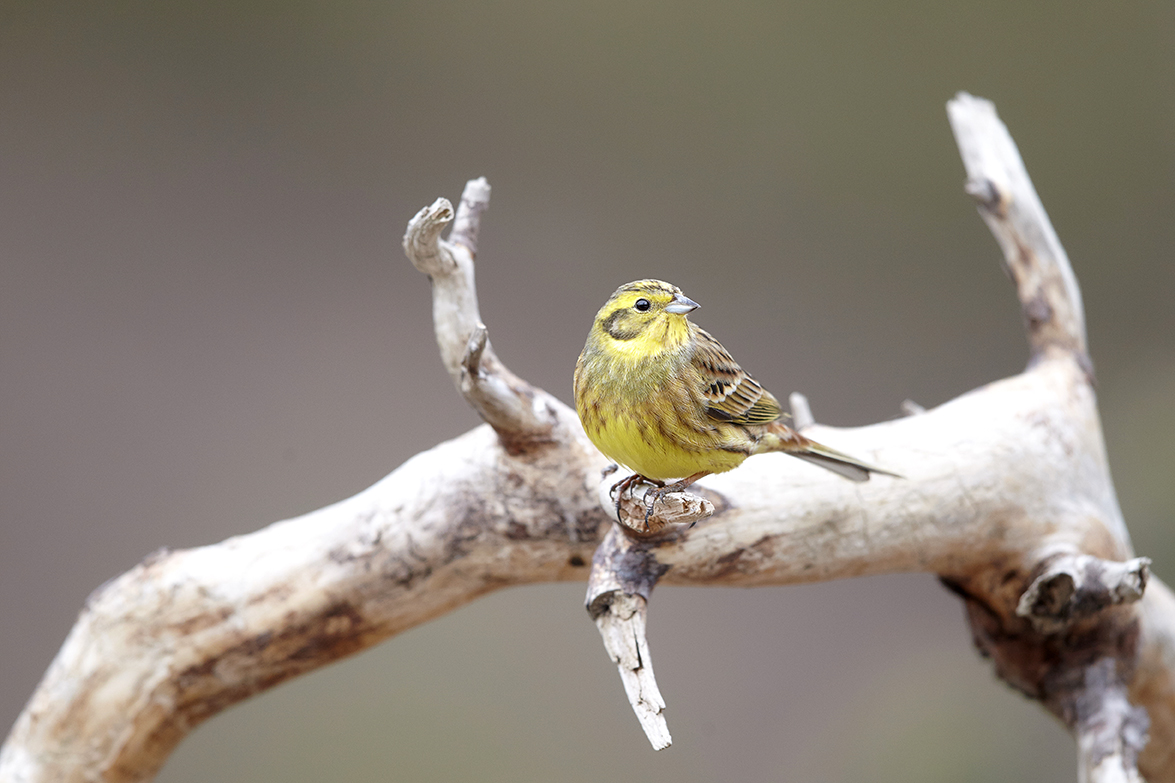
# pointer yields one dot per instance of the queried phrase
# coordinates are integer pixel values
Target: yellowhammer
(661, 396)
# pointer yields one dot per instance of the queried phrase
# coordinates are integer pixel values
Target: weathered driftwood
(1007, 496)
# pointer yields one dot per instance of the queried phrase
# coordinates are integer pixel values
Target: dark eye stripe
(614, 326)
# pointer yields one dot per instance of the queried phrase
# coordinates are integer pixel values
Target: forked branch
(998, 181)
(1007, 497)
(520, 413)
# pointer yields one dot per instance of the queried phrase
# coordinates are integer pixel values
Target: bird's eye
(642, 305)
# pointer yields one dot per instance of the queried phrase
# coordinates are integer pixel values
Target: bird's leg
(652, 497)
(625, 484)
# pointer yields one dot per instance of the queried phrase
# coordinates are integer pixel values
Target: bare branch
(1008, 497)
(801, 411)
(1077, 586)
(911, 408)
(1153, 684)
(474, 200)
(622, 626)
(997, 179)
(422, 241)
(623, 575)
(1074, 605)
(521, 414)
(186, 634)
(1110, 730)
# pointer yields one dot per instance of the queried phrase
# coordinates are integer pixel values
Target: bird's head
(646, 316)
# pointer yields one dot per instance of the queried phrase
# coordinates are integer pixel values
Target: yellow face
(645, 318)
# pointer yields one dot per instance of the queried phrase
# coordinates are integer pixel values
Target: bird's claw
(651, 497)
(619, 488)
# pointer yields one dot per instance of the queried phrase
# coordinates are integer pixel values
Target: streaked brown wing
(730, 393)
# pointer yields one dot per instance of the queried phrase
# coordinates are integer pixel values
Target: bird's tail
(780, 437)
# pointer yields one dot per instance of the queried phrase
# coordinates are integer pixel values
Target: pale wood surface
(1007, 496)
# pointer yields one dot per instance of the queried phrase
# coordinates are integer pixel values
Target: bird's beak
(680, 305)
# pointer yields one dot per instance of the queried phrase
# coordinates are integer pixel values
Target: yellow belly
(638, 402)
(644, 449)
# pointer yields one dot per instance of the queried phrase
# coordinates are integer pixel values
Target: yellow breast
(644, 416)
(640, 398)
(640, 443)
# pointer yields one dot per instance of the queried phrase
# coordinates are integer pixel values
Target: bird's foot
(652, 496)
(627, 483)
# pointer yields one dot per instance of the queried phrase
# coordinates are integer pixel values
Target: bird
(659, 395)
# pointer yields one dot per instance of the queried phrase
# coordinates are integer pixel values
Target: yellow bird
(659, 395)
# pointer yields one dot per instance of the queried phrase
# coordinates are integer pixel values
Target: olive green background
(207, 324)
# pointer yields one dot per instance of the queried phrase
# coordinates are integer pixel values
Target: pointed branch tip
(471, 362)
(475, 199)
(422, 240)
(521, 414)
(801, 411)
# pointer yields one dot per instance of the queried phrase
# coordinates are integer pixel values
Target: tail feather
(780, 437)
(849, 470)
(842, 464)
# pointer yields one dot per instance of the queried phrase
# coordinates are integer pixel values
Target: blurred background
(207, 324)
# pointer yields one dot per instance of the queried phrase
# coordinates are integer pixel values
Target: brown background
(206, 324)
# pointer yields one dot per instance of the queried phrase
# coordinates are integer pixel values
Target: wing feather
(729, 392)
